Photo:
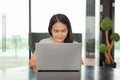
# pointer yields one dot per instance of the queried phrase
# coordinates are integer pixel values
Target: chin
(60, 41)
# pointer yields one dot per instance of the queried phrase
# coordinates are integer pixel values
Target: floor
(17, 62)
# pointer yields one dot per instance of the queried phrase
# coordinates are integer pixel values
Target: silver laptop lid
(58, 56)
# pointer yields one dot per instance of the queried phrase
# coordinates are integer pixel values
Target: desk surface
(86, 73)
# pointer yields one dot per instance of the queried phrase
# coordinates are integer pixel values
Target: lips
(60, 38)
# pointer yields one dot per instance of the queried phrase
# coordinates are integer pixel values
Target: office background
(19, 17)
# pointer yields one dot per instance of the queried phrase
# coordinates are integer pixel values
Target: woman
(60, 31)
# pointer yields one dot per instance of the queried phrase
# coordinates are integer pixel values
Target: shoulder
(75, 42)
(46, 40)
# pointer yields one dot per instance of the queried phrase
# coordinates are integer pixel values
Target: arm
(32, 61)
(81, 62)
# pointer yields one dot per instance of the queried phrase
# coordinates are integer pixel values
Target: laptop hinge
(58, 70)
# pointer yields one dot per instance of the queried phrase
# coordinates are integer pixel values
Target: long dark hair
(63, 19)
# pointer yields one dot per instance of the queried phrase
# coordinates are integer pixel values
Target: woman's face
(59, 32)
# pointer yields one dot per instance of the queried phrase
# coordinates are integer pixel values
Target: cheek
(65, 34)
(54, 34)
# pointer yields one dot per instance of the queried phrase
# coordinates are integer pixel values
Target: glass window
(43, 10)
(117, 25)
(14, 32)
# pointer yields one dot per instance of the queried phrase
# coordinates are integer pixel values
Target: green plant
(106, 25)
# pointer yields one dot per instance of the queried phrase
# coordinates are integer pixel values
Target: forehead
(59, 25)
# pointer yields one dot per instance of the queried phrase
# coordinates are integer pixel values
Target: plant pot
(113, 65)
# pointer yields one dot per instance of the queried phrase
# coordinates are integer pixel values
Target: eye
(55, 31)
(64, 30)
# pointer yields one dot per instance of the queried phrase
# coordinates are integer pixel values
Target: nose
(60, 34)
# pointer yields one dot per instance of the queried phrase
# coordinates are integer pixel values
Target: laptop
(58, 56)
